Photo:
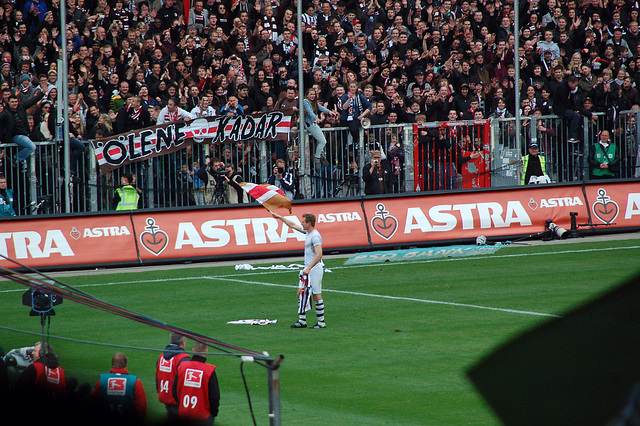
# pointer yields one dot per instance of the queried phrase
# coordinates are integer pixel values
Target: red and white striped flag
(270, 196)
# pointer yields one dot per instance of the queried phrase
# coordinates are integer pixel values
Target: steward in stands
(127, 197)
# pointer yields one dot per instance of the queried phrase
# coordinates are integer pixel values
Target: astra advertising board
(151, 236)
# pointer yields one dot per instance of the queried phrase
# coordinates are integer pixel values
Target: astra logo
(107, 231)
(441, 218)
(339, 217)
(560, 202)
(241, 232)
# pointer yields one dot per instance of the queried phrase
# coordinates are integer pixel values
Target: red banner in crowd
(146, 237)
(119, 150)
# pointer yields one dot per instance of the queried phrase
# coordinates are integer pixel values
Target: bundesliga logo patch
(53, 376)
(166, 365)
(193, 378)
(116, 386)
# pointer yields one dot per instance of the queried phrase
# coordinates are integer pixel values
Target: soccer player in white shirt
(311, 277)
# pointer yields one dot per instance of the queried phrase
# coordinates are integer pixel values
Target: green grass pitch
(399, 340)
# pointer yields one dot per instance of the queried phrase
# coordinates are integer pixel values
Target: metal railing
(420, 161)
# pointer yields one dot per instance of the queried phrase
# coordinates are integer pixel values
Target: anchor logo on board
(383, 223)
(153, 238)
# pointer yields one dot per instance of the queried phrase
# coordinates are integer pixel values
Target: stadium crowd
(135, 64)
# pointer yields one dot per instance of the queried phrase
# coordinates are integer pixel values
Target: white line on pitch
(382, 296)
(231, 277)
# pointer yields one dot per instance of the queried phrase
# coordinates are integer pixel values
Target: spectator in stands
(354, 107)
(232, 107)
(379, 116)
(133, 117)
(462, 100)
(204, 108)
(604, 158)
(246, 102)
(564, 105)
(15, 125)
(102, 124)
(290, 101)
(281, 178)
(312, 116)
(377, 176)
(172, 112)
(501, 110)
(6, 198)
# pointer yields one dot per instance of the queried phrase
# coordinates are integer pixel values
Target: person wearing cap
(533, 166)
(25, 90)
(418, 81)
(6, 73)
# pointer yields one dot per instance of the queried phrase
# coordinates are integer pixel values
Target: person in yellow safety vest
(126, 197)
(533, 165)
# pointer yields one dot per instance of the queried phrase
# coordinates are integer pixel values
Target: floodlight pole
(275, 417)
(516, 64)
(64, 102)
(303, 145)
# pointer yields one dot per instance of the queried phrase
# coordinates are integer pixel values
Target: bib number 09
(189, 401)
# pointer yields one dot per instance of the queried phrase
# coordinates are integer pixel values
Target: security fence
(434, 156)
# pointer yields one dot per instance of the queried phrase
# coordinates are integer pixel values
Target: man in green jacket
(603, 158)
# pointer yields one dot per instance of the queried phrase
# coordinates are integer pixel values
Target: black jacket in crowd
(371, 182)
(15, 122)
